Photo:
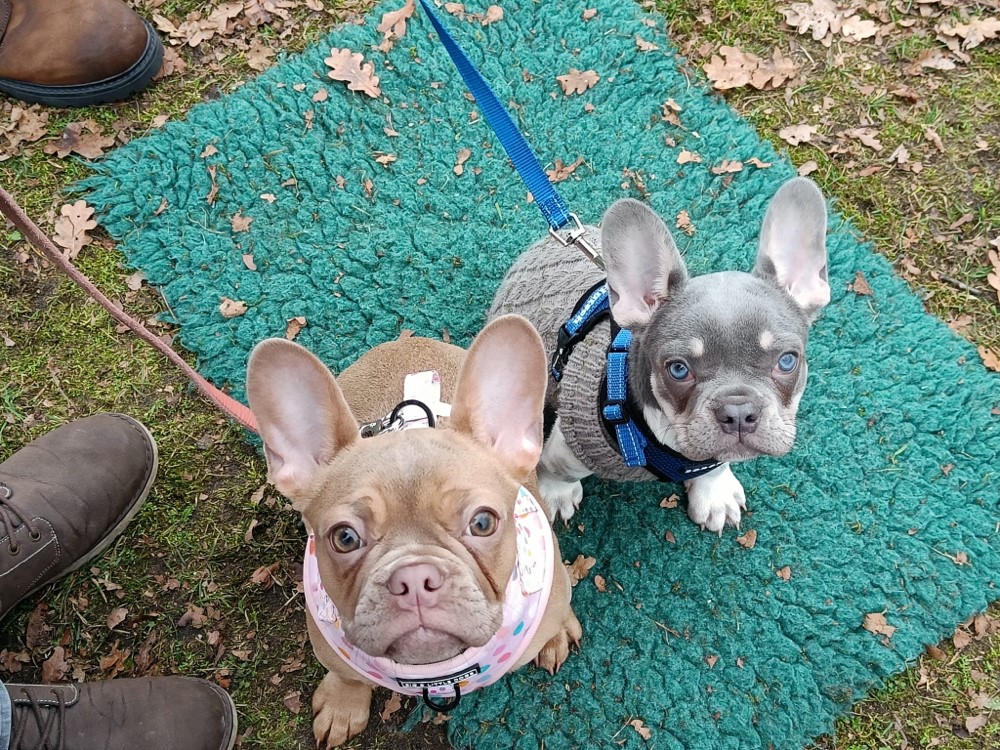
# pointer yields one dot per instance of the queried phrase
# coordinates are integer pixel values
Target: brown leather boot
(73, 53)
(169, 713)
(65, 497)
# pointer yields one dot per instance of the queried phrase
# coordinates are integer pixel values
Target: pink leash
(36, 237)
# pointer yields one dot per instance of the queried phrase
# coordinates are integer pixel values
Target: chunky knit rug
(887, 505)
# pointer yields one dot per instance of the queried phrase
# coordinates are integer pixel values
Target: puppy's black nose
(738, 417)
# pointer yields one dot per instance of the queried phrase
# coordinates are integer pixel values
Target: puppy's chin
(425, 646)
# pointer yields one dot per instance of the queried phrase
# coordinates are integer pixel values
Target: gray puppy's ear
(303, 417)
(642, 261)
(793, 244)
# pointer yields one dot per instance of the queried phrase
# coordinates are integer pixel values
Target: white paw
(715, 499)
(561, 498)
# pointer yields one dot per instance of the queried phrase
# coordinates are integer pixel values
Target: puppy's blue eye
(788, 361)
(344, 539)
(484, 523)
(678, 370)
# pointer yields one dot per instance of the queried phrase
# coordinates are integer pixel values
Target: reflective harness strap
(621, 416)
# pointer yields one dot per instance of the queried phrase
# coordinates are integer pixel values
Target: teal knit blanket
(350, 212)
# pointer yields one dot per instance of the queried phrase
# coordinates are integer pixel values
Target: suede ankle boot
(66, 496)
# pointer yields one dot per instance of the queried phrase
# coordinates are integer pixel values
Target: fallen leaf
(758, 163)
(392, 705)
(72, 226)
(643, 731)
(600, 584)
(385, 159)
(460, 159)
(961, 639)
(784, 573)
(259, 55)
(264, 575)
(935, 653)
(321, 95)
(350, 68)
(493, 14)
(748, 540)
(248, 261)
(560, 171)
(727, 166)
(240, 222)
(670, 502)
(293, 702)
(210, 150)
(876, 623)
(214, 190)
(990, 359)
(194, 616)
(392, 27)
(867, 136)
(576, 81)
(796, 134)
(975, 723)
(971, 34)
(580, 568)
(669, 537)
(643, 45)
(54, 668)
(116, 617)
(807, 168)
(860, 285)
(589, 13)
(685, 157)
(684, 223)
(733, 68)
(295, 325)
(83, 138)
(710, 660)
(232, 308)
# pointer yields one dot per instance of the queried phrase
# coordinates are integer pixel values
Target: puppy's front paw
(715, 499)
(340, 710)
(561, 498)
(555, 652)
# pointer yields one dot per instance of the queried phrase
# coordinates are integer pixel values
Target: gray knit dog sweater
(544, 285)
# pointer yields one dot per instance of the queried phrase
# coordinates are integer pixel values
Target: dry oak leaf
(710, 660)
(600, 584)
(684, 223)
(728, 166)
(293, 702)
(295, 325)
(876, 623)
(240, 222)
(230, 308)
(560, 171)
(669, 502)
(990, 359)
(686, 156)
(350, 68)
(259, 55)
(796, 134)
(867, 136)
(807, 168)
(642, 730)
(493, 14)
(54, 668)
(74, 139)
(736, 68)
(576, 81)
(784, 573)
(75, 220)
(392, 27)
(116, 617)
(580, 568)
(643, 45)
(860, 285)
(972, 34)
(392, 705)
(748, 540)
(975, 723)
(588, 13)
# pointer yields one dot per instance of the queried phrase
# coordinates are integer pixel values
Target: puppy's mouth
(425, 646)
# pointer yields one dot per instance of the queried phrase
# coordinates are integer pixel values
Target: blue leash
(551, 204)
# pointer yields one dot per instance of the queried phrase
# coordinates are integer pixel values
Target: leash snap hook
(577, 235)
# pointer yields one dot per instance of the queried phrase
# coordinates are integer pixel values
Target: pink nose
(415, 586)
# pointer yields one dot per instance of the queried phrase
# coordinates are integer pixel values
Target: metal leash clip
(577, 235)
(394, 420)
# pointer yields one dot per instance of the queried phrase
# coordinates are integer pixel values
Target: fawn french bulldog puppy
(430, 568)
(709, 369)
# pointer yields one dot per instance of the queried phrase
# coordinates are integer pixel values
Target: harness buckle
(561, 354)
(614, 412)
(577, 235)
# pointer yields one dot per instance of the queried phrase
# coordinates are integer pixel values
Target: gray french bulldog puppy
(717, 362)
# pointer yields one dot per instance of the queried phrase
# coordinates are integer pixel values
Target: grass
(192, 543)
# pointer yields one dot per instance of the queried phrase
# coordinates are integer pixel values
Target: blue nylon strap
(596, 303)
(631, 442)
(551, 204)
(590, 309)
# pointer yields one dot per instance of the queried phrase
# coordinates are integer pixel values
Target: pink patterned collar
(442, 683)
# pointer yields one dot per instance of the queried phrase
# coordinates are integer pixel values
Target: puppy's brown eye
(484, 523)
(344, 538)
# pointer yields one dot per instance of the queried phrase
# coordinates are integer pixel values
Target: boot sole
(118, 528)
(111, 89)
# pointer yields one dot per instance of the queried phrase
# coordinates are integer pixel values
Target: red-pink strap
(36, 237)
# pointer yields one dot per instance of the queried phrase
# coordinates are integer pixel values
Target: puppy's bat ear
(793, 244)
(304, 419)
(501, 392)
(642, 261)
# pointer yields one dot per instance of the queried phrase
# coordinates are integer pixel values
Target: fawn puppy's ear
(641, 259)
(793, 244)
(304, 419)
(501, 392)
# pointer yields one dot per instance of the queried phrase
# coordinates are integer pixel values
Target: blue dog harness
(620, 415)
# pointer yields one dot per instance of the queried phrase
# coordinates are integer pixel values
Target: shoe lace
(11, 518)
(48, 719)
